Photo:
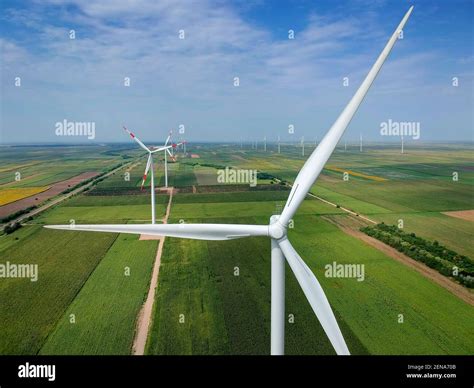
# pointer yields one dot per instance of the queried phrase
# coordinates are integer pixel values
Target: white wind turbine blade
(161, 149)
(171, 155)
(168, 138)
(316, 297)
(132, 135)
(148, 163)
(192, 231)
(315, 163)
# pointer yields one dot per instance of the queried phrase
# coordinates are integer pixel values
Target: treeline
(266, 175)
(10, 228)
(260, 174)
(212, 165)
(17, 214)
(431, 253)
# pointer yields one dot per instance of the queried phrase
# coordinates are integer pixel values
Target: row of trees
(431, 253)
(10, 228)
(17, 214)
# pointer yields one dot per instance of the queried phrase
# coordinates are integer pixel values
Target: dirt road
(144, 317)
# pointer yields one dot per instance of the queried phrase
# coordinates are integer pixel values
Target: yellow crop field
(11, 195)
(358, 174)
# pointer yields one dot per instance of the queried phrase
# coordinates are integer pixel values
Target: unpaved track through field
(144, 316)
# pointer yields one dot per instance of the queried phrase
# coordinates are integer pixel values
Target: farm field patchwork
(30, 310)
(224, 313)
(197, 279)
(106, 308)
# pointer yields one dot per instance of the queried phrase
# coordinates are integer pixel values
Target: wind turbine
(166, 150)
(302, 145)
(149, 165)
(278, 143)
(265, 144)
(183, 143)
(276, 230)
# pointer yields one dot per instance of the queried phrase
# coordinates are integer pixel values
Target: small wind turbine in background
(166, 151)
(184, 146)
(302, 145)
(149, 166)
(278, 143)
(277, 228)
(265, 144)
(360, 142)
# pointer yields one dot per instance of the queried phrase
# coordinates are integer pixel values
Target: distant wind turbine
(278, 143)
(360, 142)
(166, 151)
(276, 230)
(149, 166)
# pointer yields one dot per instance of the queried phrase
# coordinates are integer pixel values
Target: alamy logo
(335, 270)
(229, 175)
(75, 128)
(10, 270)
(37, 371)
(400, 128)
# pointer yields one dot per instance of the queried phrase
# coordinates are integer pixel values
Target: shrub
(10, 228)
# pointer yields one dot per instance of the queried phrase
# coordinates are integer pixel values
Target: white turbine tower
(149, 165)
(276, 230)
(302, 145)
(265, 143)
(183, 143)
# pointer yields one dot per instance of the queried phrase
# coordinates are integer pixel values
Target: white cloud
(191, 80)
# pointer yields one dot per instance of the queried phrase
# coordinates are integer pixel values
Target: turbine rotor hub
(276, 230)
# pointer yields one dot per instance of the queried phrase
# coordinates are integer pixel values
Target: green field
(83, 273)
(225, 314)
(29, 310)
(106, 308)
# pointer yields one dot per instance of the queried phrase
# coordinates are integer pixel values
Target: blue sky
(191, 81)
